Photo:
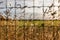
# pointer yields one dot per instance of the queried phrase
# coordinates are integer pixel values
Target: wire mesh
(25, 20)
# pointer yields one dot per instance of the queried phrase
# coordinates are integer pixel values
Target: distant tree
(7, 13)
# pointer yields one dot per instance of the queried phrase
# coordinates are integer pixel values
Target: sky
(29, 12)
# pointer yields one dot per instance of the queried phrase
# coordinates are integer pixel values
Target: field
(30, 30)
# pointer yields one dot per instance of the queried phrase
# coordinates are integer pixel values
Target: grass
(30, 26)
(29, 23)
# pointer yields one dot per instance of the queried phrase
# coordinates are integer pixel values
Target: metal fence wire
(19, 21)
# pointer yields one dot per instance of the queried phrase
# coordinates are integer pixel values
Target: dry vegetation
(30, 30)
